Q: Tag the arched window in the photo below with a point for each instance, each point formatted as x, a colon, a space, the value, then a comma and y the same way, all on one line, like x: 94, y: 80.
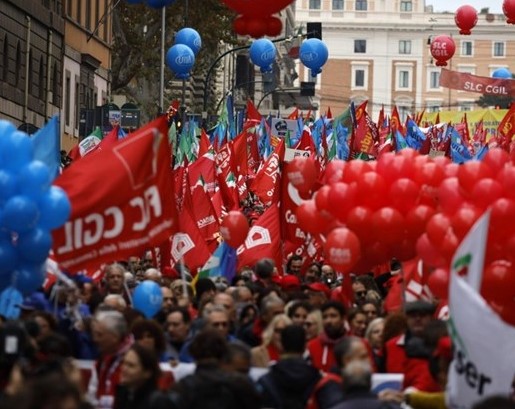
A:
x: 18, y: 67
x: 42, y: 85
x: 5, y: 65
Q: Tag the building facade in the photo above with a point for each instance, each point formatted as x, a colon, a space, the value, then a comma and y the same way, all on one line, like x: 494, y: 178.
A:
x: 32, y: 44
x: 86, y: 63
x: 379, y: 50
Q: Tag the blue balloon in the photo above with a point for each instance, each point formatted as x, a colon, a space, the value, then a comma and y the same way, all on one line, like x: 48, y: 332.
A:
x: 54, y: 207
x: 262, y: 53
x: 157, y: 4
x: 189, y: 37
x: 147, y: 298
x: 29, y: 277
x: 34, y: 245
x: 180, y: 59
x: 502, y: 73
x: 7, y: 186
x: 34, y: 179
x: 17, y: 151
x: 8, y: 256
x: 6, y: 129
x: 20, y: 214
x: 313, y: 54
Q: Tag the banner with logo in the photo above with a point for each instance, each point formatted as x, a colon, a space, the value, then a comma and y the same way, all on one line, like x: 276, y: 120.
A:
x: 473, y: 83
x: 121, y: 198
x: 483, y: 343
x: 280, y: 127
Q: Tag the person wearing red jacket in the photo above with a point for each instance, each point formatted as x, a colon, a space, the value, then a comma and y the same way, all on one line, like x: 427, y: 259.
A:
x: 407, y: 353
x: 321, y: 348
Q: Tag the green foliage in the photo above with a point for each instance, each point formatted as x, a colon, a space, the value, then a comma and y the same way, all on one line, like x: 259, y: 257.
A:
x: 495, y: 101
x: 136, y: 50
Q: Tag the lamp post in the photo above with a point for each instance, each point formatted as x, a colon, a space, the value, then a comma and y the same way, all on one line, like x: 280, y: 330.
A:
x: 232, y: 50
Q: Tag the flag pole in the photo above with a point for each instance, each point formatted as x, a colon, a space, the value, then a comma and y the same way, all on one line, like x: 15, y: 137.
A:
x: 162, y: 67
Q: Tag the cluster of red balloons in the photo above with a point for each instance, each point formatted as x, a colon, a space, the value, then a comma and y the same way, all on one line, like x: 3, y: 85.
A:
x: 234, y: 228
x: 406, y: 205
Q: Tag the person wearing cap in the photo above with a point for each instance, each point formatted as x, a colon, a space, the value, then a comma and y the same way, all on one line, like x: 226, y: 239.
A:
x: 318, y: 294
x: 321, y: 348
x: 407, y: 354
x: 290, y: 283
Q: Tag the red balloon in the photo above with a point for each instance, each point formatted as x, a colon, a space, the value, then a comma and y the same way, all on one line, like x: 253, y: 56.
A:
x: 416, y: 220
x: 442, y: 49
x: 429, y: 173
x: 448, y: 245
x: 310, y: 219
x: 437, y: 228
x: 408, y: 153
x: 405, y: 250
x: 508, y: 8
x: 401, y: 167
x: 265, y: 9
x: 451, y: 170
x: 322, y: 198
x: 334, y: 171
x: 403, y: 194
x: 428, y: 196
x: 506, y: 177
x: 506, y: 311
x: 463, y: 220
x: 471, y: 172
x: 499, y: 282
x: 302, y: 173
x: 449, y: 194
x: 389, y: 224
x: 342, y: 249
x: 384, y: 162
x: 502, y: 217
x: 234, y: 228
x: 485, y: 192
x: 496, y: 159
x: 510, y: 248
x: 438, y: 283
x: 466, y: 19
x: 371, y: 190
x: 442, y: 161
x: 354, y: 169
x: 359, y: 221
x: 274, y: 27
x: 429, y: 253
x: 377, y: 252
x: 341, y: 199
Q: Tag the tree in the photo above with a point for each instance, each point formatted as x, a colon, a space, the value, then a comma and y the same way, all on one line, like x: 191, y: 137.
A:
x: 136, y: 54
x: 495, y: 101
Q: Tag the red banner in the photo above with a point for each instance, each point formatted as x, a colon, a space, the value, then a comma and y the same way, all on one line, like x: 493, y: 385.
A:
x: 473, y: 83
x: 122, y: 201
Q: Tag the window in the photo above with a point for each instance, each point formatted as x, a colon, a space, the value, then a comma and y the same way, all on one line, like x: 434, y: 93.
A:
x: 314, y: 4
x: 406, y: 5
x: 434, y: 80
x: 42, y: 84
x: 77, y: 102
x: 97, y: 15
x: 79, y: 11
x: 360, y: 46
x: 67, y: 98
x: 361, y: 5
x: 55, y: 86
x: 498, y: 49
x: 405, y: 47
x: 69, y: 8
x: 5, y: 67
x: 403, y: 79
x: 18, y: 71
x: 466, y: 48
x: 106, y: 20
x: 30, y: 83
x: 359, y: 78
x: 337, y: 4
x: 359, y: 75
x: 88, y: 16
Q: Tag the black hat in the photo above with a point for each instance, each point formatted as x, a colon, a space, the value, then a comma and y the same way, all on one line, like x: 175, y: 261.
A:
x: 419, y: 306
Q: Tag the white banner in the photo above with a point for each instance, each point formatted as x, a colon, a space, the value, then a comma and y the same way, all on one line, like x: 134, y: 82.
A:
x: 484, y: 345
x: 280, y: 127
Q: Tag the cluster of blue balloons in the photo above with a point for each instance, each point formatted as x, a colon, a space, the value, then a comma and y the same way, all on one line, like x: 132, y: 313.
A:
x: 313, y: 54
x: 180, y: 58
x: 29, y: 209
x: 147, y: 298
x: 262, y: 53
x: 156, y: 4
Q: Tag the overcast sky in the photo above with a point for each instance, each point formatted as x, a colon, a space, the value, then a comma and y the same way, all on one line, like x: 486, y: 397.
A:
x: 495, y: 6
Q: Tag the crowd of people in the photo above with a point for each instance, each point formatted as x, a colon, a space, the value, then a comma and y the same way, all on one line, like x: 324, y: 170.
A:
x: 259, y: 341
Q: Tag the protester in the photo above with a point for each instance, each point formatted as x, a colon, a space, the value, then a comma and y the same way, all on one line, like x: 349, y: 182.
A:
x: 298, y: 312
x: 269, y: 351
x: 238, y: 358
x: 178, y: 324
x: 374, y: 336
x: 270, y: 307
x: 357, y: 321
x: 294, y: 265
x: 313, y: 324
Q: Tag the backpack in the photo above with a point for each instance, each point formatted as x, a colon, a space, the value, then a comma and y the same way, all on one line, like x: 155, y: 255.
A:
x: 326, y: 378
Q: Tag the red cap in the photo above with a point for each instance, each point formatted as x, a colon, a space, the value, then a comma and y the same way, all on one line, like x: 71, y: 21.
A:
x: 444, y: 348
x: 320, y: 288
x: 290, y: 282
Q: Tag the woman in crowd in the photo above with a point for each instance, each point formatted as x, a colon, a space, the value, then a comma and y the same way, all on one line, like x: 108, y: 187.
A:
x: 268, y: 352
x: 374, y: 336
x: 357, y: 321
x: 138, y: 387
x: 298, y: 312
x: 313, y: 324
x: 371, y: 309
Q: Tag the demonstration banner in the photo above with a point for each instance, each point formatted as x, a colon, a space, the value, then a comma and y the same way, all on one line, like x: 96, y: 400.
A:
x: 121, y: 198
x: 483, y: 343
x: 473, y: 83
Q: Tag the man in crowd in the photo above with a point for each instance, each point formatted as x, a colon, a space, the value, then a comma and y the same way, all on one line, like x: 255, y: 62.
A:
x: 270, y: 307
x: 178, y: 323
x: 294, y: 265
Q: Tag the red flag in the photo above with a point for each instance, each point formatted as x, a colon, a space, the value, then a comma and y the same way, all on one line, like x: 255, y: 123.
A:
x: 395, y: 121
x: 306, y: 142
x: 329, y: 113
x: 203, y: 167
x: 506, y: 128
x: 120, y: 199
x: 380, y: 120
x: 263, y: 240
x: 188, y: 245
x: 252, y: 112
x: 290, y: 201
x: 253, y: 150
x: 437, y: 119
x: 74, y: 153
x: 294, y: 114
x: 109, y: 140
x: 180, y: 177
x: 204, y: 144
x: 266, y: 185
x: 366, y: 136
x: 239, y: 145
x: 480, y: 134
x: 225, y: 173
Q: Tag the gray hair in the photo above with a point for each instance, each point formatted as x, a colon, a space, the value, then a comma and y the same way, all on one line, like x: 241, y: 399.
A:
x: 215, y: 308
x: 357, y: 375
x: 115, y: 266
x: 269, y: 301
x: 152, y: 272
x: 114, y: 321
x: 372, y: 325
x: 117, y: 298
